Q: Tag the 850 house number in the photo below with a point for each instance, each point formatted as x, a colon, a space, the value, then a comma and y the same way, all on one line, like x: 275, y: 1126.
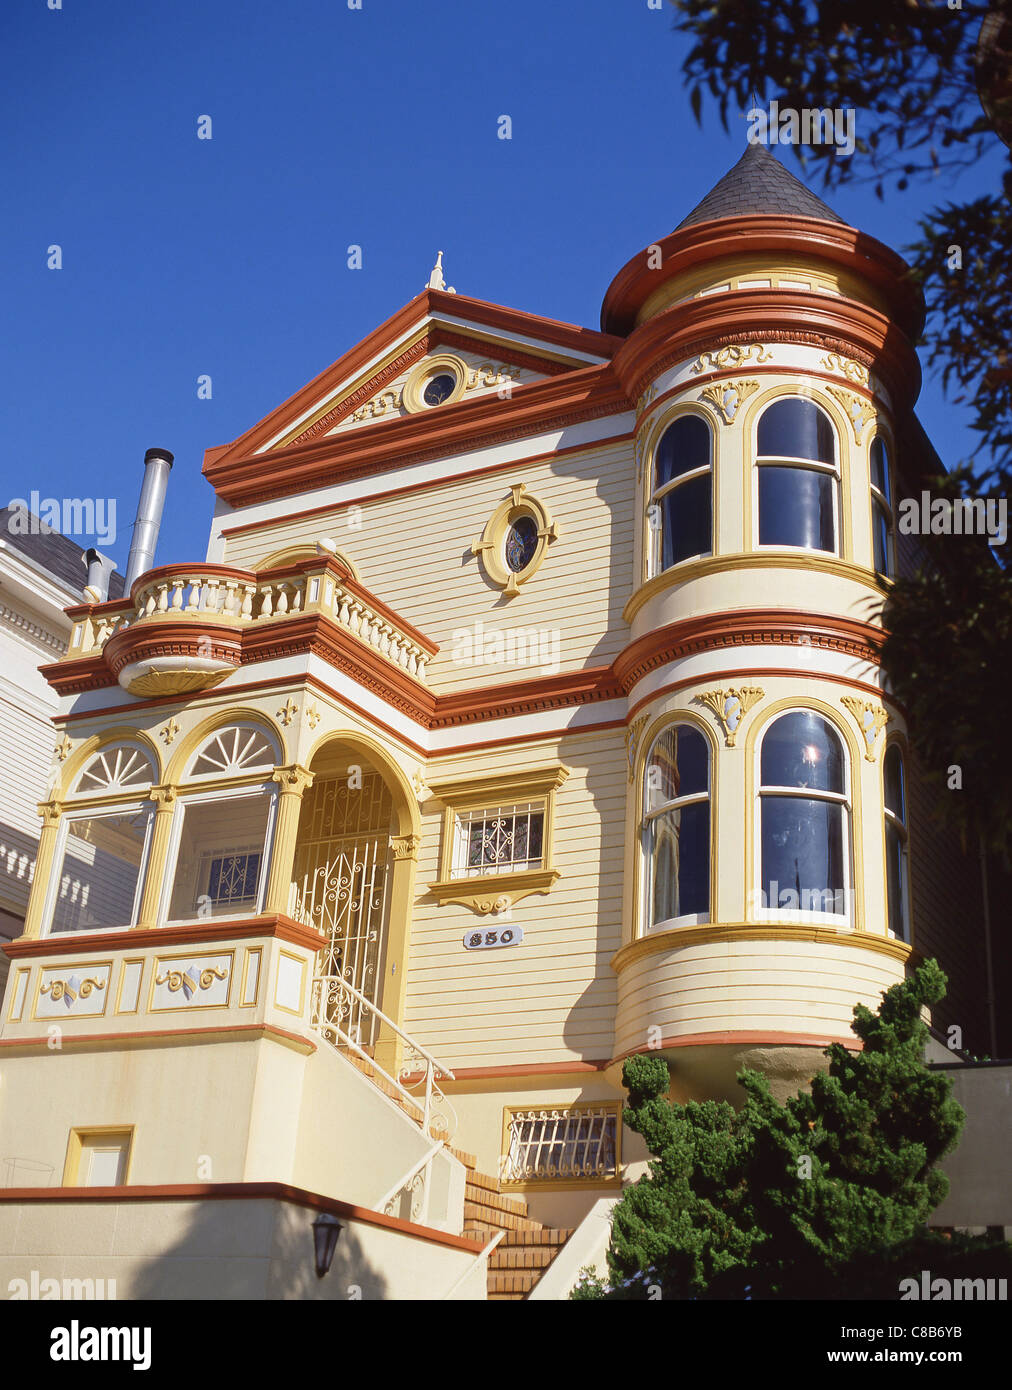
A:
x: 500, y: 936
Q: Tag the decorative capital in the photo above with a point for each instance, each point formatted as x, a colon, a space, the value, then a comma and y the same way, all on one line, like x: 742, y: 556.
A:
x: 50, y: 811
x: 859, y: 411
x: 730, y: 705
x: 164, y: 797
x: 405, y: 846
x: 632, y: 740
x: 869, y: 718
x: 293, y: 780
x: 727, y: 396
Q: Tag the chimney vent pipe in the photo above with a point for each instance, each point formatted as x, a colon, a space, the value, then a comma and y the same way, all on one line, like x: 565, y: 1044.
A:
x: 100, y: 569
x: 157, y: 463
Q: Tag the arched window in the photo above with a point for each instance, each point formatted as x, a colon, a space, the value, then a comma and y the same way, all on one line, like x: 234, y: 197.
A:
x: 239, y: 748
x: 681, y: 503
x: 676, y: 828
x: 102, y: 850
x: 118, y: 768
x: 221, y: 837
x: 798, y: 477
x: 804, y: 818
x: 882, y: 525
x: 894, y: 789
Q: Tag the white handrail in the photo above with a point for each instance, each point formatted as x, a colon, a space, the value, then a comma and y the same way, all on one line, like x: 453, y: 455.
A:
x: 412, y: 1172
x: 483, y: 1255
x: 325, y: 1026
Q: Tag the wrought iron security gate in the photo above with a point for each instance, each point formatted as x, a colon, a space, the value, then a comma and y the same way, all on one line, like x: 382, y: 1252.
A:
x: 341, y: 871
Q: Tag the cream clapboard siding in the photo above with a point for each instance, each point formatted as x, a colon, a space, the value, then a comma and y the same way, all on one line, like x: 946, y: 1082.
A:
x: 552, y: 997
x: 413, y: 552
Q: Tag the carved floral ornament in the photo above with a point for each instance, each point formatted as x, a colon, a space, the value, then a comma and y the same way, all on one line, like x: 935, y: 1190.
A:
x: 632, y: 741
x: 70, y: 990
x: 409, y: 397
x: 869, y: 717
x: 734, y: 355
x: 727, y: 396
x: 859, y: 410
x: 846, y: 366
x: 191, y: 979
x: 730, y: 705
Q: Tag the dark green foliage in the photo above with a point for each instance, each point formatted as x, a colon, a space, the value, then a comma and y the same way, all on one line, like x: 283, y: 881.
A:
x: 814, y: 1197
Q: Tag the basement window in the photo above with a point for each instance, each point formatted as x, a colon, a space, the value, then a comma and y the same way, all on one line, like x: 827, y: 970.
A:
x: 577, y: 1143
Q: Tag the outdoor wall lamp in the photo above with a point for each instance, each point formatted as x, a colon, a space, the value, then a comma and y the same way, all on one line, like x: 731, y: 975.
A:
x: 326, y: 1229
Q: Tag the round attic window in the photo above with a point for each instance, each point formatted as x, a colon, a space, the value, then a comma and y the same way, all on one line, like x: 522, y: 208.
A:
x: 439, y: 388
x: 439, y: 380
x: 521, y: 543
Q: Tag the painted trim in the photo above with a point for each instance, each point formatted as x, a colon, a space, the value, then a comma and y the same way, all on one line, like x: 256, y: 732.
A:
x: 137, y: 938
x: 678, y: 937
x: 239, y: 1032
x: 240, y: 1191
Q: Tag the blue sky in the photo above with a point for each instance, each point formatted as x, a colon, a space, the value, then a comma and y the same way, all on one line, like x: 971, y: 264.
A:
x: 331, y: 126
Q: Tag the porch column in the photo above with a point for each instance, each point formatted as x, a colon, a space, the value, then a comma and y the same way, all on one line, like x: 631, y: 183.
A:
x: 50, y: 812
x: 393, y: 989
x: 165, y: 805
x: 293, y: 781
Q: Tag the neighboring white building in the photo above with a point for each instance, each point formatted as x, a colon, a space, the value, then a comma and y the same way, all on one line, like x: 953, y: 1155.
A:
x: 40, y: 575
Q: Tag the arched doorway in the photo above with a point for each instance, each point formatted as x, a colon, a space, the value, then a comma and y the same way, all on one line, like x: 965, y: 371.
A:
x: 342, y: 879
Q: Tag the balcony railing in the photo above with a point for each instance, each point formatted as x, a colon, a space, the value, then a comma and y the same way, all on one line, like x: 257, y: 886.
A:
x: 227, y: 597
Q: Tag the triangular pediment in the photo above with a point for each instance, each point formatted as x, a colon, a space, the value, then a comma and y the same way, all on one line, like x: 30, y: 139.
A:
x: 484, y: 350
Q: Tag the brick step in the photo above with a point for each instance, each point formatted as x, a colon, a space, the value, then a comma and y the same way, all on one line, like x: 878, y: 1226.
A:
x: 469, y: 1161
x: 523, y: 1256
x: 487, y: 1218
x: 504, y: 1297
x: 517, y: 1282
x: 524, y: 1233
x: 483, y: 1180
x: 495, y: 1201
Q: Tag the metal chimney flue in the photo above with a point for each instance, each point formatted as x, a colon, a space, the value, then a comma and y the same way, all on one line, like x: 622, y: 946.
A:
x: 100, y: 569
x: 157, y: 463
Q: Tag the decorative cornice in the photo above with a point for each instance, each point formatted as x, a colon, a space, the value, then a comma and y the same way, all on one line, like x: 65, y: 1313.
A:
x: 137, y: 938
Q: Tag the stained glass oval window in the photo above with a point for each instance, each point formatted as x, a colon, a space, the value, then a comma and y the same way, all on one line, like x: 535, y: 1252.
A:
x: 521, y: 543
x: 439, y: 389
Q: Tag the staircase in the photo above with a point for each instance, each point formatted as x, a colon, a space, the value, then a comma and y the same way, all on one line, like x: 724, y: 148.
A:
x: 528, y: 1247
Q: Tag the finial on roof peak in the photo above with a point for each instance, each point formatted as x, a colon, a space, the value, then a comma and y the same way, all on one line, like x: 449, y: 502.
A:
x: 436, y: 280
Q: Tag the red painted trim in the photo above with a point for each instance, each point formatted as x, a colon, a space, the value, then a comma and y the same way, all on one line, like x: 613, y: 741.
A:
x: 745, y: 1038
x: 252, y: 1033
x: 137, y: 938
x: 243, y: 1192
x: 526, y: 1069
x: 430, y: 485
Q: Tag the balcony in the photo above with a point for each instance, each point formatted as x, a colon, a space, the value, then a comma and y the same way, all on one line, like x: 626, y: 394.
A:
x: 186, y: 628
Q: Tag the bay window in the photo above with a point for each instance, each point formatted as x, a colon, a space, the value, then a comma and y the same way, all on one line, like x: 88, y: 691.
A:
x: 681, y: 506
x: 798, y: 485
x: 676, y: 828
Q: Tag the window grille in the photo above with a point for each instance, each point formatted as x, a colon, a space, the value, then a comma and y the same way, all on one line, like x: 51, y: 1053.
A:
x: 578, y: 1142
x: 499, y: 839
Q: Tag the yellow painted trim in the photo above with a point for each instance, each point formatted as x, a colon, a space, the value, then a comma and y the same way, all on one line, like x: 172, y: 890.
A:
x: 655, y: 430
x: 44, y: 860
x: 222, y: 719
x: 251, y: 954
x: 193, y: 957
x: 731, y: 270
x: 462, y: 793
x: 762, y: 720
x: 815, y: 391
x: 483, y: 892
x: 729, y: 932
x: 421, y: 374
x: 65, y: 971
x: 898, y: 738
x: 75, y: 1148
x: 301, y: 963
x: 129, y: 960
x: 489, y: 545
x: 671, y: 712
x: 19, y: 975
x: 807, y: 560
x: 97, y: 743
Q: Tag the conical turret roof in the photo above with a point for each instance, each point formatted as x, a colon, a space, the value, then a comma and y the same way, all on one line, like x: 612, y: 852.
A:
x: 759, y: 183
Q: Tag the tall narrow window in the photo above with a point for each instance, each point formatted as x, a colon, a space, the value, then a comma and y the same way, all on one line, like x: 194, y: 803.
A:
x: 896, y: 843
x: 676, y: 828
x: 882, y: 529
x: 798, y: 477
x: 681, y: 505
x: 804, y: 817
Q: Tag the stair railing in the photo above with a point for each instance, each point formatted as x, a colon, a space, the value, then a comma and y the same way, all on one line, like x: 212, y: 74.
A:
x: 332, y: 1002
x: 424, y: 1165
